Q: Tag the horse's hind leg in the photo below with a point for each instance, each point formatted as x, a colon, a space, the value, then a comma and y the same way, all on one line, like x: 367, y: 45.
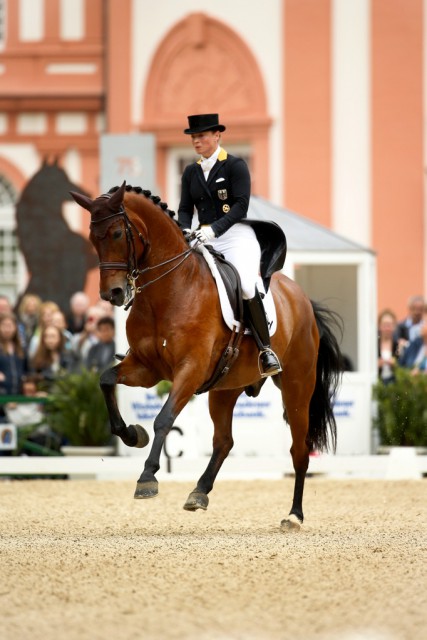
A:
x: 296, y: 396
x: 221, y: 405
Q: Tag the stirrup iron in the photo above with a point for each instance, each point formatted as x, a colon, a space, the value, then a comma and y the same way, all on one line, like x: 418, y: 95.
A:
x: 274, y: 367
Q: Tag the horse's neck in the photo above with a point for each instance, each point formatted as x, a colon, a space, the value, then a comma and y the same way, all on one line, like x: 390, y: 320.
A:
x: 171, y: 269
x: 165, y: 238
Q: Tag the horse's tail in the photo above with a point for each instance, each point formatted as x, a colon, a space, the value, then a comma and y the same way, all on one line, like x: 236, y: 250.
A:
x: 322, y: 428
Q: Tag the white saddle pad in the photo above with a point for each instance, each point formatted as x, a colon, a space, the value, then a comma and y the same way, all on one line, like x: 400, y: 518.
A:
x: 227, y: 311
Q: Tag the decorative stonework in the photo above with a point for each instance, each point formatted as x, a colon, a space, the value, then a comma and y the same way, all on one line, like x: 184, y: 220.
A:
x: 203, y: 66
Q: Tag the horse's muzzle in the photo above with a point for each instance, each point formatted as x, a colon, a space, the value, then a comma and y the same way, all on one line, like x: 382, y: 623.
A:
x: 116, y: 296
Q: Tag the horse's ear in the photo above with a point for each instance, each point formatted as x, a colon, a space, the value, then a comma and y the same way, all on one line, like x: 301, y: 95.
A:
x: 82, y: 200
x: 117, y: 197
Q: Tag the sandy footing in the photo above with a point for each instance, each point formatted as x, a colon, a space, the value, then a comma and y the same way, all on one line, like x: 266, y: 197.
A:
x: 84, y: 560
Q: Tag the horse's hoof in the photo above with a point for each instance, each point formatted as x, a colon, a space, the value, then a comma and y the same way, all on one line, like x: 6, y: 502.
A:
x: 146, y: 489
x: 196, y: 500
x: 142, y: 436
x: 291, y: 523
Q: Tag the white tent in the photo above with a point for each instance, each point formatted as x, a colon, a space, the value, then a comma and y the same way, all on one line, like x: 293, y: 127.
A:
x: 333, y: 270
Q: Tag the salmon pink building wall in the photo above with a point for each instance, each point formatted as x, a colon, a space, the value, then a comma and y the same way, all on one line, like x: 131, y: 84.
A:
x: 328, y: 95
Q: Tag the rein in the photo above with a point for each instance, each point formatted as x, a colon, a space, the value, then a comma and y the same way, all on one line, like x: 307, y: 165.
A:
x: 138, y: 272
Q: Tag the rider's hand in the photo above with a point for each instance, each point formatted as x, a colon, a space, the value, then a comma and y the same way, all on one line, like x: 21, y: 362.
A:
x: 187, y: 233
x: 205, y: 234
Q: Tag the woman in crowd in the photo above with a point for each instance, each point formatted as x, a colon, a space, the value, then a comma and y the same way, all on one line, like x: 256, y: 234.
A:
x: 51, y: 357
x: 388, y: 346
x: 13, y: 362
x: 28, y: 312
x: 47, y: 310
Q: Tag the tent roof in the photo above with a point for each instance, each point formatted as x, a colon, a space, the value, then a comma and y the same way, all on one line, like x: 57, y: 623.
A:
x: 302, y: 234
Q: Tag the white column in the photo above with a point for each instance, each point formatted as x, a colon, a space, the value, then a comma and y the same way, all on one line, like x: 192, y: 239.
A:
x: 351, y: 144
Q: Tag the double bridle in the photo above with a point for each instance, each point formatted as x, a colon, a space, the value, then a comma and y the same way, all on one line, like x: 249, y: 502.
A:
x: 131, y: 266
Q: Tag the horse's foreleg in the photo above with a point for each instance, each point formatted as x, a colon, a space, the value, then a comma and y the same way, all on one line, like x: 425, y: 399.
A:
x: 221, y: 405
x: 134, y: 435
x: 147, y: 485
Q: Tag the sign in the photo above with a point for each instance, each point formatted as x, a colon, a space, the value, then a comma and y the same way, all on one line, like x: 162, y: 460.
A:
x: 128, y: 157
x: 8, y: 438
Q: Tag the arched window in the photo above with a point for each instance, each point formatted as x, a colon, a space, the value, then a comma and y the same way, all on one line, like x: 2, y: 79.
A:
x: 11, y: 262
x: 203, y: 66
x: 7, y: 192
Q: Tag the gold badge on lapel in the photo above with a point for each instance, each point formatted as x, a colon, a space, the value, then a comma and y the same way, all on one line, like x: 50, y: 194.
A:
x: 226, y: 208
x: 222, y: 194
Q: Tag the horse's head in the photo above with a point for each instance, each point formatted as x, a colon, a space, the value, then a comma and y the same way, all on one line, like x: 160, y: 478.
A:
x: 118, y: 242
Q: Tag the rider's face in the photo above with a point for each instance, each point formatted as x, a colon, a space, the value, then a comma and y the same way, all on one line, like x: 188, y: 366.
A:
x: 205, y: 143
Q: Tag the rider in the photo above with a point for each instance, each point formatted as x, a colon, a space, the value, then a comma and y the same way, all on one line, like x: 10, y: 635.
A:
x: 218, y: 185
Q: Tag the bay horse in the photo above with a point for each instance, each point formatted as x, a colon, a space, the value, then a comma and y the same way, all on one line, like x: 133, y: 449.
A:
x: 176, y: 332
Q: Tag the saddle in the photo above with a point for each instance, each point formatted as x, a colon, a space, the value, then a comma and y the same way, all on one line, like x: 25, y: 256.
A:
x: 273, y: 253
x: 272, y: 241
x: 231, y: 280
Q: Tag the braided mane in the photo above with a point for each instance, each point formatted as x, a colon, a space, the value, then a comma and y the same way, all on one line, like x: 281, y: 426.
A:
x: 145, y: 192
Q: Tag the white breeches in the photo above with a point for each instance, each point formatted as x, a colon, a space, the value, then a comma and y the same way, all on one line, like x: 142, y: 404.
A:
x: 239, y: 245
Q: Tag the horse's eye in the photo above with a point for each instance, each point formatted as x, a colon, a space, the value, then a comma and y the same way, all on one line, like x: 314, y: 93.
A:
x: 117, y: 234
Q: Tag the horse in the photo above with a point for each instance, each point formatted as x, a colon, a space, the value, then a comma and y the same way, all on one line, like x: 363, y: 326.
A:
x: 176, y: 332
x: 46, y: 240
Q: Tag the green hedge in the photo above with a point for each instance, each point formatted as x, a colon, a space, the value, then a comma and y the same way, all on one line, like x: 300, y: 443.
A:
x: 402, y: 410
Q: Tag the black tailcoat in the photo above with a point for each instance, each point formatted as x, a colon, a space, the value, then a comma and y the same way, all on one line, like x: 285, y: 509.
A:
x: 221, y: 200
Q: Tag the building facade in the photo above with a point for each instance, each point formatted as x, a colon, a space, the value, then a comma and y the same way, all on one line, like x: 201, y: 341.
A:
x: 326, y: 99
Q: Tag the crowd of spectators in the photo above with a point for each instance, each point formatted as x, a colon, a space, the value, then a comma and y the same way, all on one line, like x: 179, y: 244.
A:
x: 39, y: 341
x: 403, y: 343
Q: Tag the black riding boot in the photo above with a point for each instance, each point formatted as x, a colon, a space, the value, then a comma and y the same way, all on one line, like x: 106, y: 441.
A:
x: 257, y: 321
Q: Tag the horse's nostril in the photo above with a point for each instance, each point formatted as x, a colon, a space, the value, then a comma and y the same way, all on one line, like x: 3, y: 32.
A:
x: 116, y: 296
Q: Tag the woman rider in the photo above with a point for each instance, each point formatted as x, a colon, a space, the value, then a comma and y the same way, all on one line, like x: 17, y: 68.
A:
x: 218, y: 185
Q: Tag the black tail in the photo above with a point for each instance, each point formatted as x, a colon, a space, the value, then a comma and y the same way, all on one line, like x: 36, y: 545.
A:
x: 329, y: 368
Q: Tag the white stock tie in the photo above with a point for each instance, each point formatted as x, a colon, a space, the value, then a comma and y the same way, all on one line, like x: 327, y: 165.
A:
x: 207, y: 164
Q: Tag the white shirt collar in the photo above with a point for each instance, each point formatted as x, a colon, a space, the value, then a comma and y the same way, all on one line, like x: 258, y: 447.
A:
x: 208, y: 163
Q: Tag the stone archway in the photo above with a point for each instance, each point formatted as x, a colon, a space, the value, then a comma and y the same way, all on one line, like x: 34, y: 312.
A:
x: 12, y: 173
x: 202, y: 66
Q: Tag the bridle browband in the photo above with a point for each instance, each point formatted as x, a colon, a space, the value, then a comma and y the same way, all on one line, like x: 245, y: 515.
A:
x: 131, y: 266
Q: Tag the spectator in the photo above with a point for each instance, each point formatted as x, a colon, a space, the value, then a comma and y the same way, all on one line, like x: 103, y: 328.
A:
x: 28, y: 313
x: 59, y: 320
x: 101, y: 355
x: 388, y: 346
x: 51, y: 357
x: 83, y: 341
x: 106, y: 307
x: 415, y: 355
x: 5, y: 306
x: 409, y: 328
x: 79, y: 304
x: 13, y: 361
x: 45, y: 319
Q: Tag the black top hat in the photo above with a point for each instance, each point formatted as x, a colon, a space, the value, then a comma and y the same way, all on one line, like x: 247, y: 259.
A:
x: 204, y: 122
